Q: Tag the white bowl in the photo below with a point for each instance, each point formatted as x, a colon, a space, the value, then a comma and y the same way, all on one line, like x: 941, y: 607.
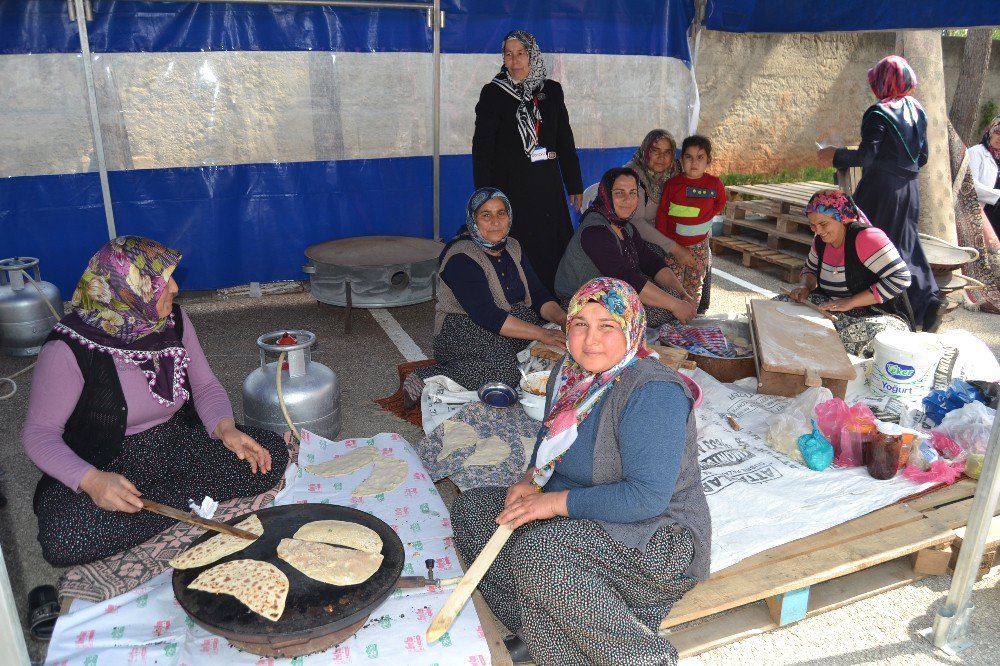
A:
x: 534, y: 405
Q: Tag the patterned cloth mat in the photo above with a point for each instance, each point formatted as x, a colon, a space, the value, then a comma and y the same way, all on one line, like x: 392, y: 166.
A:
x: 481, y: 422
x: 120, y: 573
x: 148, y: 626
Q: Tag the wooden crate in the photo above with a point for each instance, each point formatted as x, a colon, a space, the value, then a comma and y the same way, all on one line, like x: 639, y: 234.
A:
x: 754, y: 253
x: 853, y: 561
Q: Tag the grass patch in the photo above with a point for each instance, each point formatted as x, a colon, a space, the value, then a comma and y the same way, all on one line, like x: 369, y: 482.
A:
x: 824, y: 175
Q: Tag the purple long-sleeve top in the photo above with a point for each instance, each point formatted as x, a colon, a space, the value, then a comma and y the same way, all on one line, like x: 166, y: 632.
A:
x: 58, y: 383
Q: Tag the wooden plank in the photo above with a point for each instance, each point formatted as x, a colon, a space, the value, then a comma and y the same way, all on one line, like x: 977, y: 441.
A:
x: 960, y: 490
x: 955, y: 515
x: 753, y: 619
x: 493, y: 632
x: 772, y: 231
x: 715, y: 595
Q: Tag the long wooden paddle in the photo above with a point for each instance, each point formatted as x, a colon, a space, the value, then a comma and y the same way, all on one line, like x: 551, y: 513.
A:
x: 456, y: 600
x: 198, y: 521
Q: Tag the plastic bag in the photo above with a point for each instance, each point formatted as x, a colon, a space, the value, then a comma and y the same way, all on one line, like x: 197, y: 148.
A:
x: 939, y: 471
x: 969, y: 427
x: 845, y: 427
x: 923, y: 455
x: 816, y: 449
x: 784, y: 431
x: 937, y: 404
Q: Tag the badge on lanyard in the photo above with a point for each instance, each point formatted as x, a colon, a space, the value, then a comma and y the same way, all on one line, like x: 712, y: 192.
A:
x: 539, y: 154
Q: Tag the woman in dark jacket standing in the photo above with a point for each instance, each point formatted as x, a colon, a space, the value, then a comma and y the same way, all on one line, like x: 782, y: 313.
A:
x: 892, y: 151
x: 523, y: 145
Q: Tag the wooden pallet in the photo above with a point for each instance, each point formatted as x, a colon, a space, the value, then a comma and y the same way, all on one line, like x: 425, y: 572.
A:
x: 754, y: 253
x: 791, y: 197
x: 883, y: 550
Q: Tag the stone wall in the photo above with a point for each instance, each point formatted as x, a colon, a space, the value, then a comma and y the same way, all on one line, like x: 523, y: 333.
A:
x: 767, y: 99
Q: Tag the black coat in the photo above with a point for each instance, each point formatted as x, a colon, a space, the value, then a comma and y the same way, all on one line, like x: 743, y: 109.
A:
x: 541, y: 219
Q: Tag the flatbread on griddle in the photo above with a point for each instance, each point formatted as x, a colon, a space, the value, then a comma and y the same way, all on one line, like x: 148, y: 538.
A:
x: 329, y: 564
x: 341, y: 533
x: 387, y: 475
x: 218, y: 546
x: 261, y: 586
x: 345, y: 464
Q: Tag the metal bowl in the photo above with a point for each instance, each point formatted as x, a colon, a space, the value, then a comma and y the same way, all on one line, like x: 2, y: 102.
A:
x: 497, y: 394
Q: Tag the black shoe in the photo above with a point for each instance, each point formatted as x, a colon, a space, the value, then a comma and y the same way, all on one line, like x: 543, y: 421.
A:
x: 934, y: 316
x: 518, y: 650
x: 43, y: 611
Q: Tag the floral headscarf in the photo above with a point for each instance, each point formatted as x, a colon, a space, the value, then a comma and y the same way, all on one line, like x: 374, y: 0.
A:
x: 578, y: 391
x: 994, y: 128
x: 603, y: 203
x: 640, y: 163
x: 478, y: 198
x: 114, y: 312
x: 892, y: 79
x: 528, y: 116
x: 837, y: 205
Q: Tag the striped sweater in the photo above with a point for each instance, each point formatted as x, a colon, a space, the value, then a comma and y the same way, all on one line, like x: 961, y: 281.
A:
x: 878, y: 255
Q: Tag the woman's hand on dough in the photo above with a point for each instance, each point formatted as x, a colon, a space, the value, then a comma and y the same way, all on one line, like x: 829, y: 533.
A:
x: 838, y: 305
x: 799, y: 294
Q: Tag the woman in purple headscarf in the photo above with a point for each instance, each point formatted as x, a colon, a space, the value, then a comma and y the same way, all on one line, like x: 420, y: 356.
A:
x: 893, y: 149
x: 124, y: 406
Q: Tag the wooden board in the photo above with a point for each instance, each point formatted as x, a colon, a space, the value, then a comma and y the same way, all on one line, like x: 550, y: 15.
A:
x: 794, y: 345
x: 796, y: 194
x: 769, y: 227
x: 753, y: 253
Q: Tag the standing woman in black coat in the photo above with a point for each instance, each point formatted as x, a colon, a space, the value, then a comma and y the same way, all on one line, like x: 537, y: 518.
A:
x: 893, y: 149
x: 523, y: 145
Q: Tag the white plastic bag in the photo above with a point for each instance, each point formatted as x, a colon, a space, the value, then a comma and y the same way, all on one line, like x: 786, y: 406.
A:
x: 969, y: 427
x: 795, y: 420
x: 441, y: 398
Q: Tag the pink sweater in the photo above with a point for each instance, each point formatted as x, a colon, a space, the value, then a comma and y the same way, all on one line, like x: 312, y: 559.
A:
x: 58, y: 383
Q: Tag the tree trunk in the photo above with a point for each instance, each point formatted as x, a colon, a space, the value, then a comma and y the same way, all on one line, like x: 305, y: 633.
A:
x: 965, y: 105
x: 922, y: 48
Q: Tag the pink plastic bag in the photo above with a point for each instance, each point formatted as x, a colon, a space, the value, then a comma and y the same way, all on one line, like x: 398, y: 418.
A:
x: 941, y: 471
x: 846, y: 427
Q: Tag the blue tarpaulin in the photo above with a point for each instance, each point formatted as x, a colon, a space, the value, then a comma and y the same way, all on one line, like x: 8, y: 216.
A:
x: 848, y: 15
x: 622, y: 27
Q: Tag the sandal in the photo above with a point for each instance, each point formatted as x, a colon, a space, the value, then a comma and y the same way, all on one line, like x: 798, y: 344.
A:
x: 43, y: 611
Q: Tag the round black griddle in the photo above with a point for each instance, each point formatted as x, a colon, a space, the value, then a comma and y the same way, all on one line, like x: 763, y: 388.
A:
x: 314, y: 611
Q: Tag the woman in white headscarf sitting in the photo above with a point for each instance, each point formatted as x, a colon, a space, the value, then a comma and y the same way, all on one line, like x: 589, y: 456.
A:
x: 490, y: 303
x: 611, y: 524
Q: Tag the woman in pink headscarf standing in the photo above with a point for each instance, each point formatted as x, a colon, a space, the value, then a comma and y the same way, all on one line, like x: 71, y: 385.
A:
x: 893, y: 148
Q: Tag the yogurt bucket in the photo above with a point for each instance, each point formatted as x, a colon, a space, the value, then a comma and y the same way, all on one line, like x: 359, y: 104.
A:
x: 904, y: 364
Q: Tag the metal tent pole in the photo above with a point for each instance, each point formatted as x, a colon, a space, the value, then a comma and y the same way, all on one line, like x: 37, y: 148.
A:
x: 950, y: 631
x: 95, y: 119
x: 438, y: 19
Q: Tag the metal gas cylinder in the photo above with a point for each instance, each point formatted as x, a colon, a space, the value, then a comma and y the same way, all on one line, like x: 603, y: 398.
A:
x: 311, y: 391
x: 25, y: 317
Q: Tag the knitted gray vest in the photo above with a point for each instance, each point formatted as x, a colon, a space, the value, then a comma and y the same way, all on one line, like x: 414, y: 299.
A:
x: 447, y: 303
x: 688, y: 506
x: 576, y: 268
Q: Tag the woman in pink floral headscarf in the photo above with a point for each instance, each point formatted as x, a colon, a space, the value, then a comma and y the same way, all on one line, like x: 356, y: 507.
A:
x: 612, y: 525
x: 124, y: 406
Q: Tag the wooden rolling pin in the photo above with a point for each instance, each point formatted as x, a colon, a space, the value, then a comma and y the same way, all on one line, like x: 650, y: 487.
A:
x: 809, y: 304
x: 456, y: 600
